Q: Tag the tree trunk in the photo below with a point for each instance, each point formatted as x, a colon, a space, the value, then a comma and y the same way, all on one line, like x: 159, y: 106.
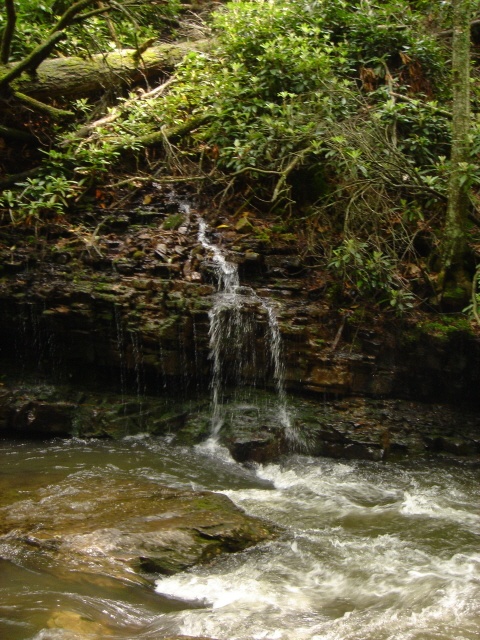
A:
x: 78, y: 77
x: 454, y: 243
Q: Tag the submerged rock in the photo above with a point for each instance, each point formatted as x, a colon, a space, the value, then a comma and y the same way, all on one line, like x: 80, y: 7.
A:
x: 187, y: 638
x: 77, y: 626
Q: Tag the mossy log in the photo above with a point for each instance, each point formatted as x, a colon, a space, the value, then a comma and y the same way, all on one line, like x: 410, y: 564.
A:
x: 77, y: 77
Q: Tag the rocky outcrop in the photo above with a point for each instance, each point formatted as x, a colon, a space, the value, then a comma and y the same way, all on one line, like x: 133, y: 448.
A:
x: 352, y: 428
x: 127, y: 312
x: 130, y: 531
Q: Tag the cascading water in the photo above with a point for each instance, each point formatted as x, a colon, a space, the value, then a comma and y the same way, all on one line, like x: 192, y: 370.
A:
x: 232, y: 336
x: 366, y: 550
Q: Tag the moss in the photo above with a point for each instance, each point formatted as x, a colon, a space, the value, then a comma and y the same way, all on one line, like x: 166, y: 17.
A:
x: 455, y: 297
x: 288, y: 237
x: 444, y: 326
x: 173, y: 221
x: 263, y: 235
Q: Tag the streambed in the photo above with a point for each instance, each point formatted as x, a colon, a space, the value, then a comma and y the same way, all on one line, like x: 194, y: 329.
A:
x: 364, y: 550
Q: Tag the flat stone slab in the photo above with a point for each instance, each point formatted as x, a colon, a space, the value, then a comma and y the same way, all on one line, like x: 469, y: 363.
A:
x: 126, y: 529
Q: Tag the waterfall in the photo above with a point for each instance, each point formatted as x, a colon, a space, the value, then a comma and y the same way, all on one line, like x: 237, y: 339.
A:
x: 232, y: 336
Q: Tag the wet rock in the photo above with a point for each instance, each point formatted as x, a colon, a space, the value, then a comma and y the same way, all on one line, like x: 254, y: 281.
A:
x: 457, y: 446
x: 79, y: 626
x: 128, y: 530
x: 40, y: 419
x: 260, y: 447
x: 286, y: 265
x: 6, y: 400
x: 187, y: 638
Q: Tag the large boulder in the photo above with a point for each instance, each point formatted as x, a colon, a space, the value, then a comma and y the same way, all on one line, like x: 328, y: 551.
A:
x: 125, y: 529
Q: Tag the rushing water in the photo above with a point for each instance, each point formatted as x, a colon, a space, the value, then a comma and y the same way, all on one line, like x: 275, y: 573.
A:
x: 367, y: 551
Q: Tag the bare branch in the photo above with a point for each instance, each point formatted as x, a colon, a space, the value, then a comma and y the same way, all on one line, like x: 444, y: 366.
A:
x: 15, y: 134
x: 116, y: 112
x: 443, y: 112
x: 474, y: 295
x: 449, y: 32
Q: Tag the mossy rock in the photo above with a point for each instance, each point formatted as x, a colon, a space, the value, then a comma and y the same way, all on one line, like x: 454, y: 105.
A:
x: 128, y: 530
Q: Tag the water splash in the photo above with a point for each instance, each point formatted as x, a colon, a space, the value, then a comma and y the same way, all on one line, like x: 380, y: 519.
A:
x: 233, y: 318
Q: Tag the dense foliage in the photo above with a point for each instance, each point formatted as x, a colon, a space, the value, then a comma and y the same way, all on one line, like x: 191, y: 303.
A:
x: 330, y: 113
x: 131, y: 22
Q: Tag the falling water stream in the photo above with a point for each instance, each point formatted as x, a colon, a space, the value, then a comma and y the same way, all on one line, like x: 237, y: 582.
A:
x: 232, y: 337
x: 366, y: 551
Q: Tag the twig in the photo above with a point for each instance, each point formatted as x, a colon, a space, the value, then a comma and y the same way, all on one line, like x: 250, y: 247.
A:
x: 70, y: 15
x: 339, y: 332
x: 133, y: 180
x: 117, y: 112
x: 173, y: 133
x: 110, y: 25
x: 287, y: 171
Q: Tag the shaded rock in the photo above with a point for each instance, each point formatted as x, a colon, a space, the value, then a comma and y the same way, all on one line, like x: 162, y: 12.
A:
x: 137, y: 320
x: 46, y: 419
x: 457, y: 446
x: 356, y: 427
x: 259, y: 447
x: 173, y: 221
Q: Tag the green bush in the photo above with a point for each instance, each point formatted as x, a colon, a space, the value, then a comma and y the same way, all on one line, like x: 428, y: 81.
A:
x: 134, y: 22
x: 345, y: 90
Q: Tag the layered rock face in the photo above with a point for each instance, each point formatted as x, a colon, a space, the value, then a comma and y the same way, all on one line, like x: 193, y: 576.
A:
x: 128, y: 311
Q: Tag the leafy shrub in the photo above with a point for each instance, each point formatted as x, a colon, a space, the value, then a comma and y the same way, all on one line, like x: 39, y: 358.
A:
x: 134, y: 21
x: 346, y: 89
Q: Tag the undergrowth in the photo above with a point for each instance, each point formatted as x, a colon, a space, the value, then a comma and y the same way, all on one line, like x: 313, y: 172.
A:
x: 327, y: 112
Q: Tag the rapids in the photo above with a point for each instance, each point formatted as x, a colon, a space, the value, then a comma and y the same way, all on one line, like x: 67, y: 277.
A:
x: 367, y: 551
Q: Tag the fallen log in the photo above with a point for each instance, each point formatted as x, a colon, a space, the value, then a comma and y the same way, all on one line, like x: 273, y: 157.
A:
x: 78, y: 77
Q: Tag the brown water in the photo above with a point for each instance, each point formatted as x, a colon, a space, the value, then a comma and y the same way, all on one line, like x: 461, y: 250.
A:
x: 370, y: 551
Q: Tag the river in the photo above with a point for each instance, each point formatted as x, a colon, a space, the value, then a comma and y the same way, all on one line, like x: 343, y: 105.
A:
x: 367, y: 551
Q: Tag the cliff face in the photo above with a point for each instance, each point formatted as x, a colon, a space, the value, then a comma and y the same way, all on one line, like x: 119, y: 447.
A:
x: 132, y: 307
x: 129, y: 311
